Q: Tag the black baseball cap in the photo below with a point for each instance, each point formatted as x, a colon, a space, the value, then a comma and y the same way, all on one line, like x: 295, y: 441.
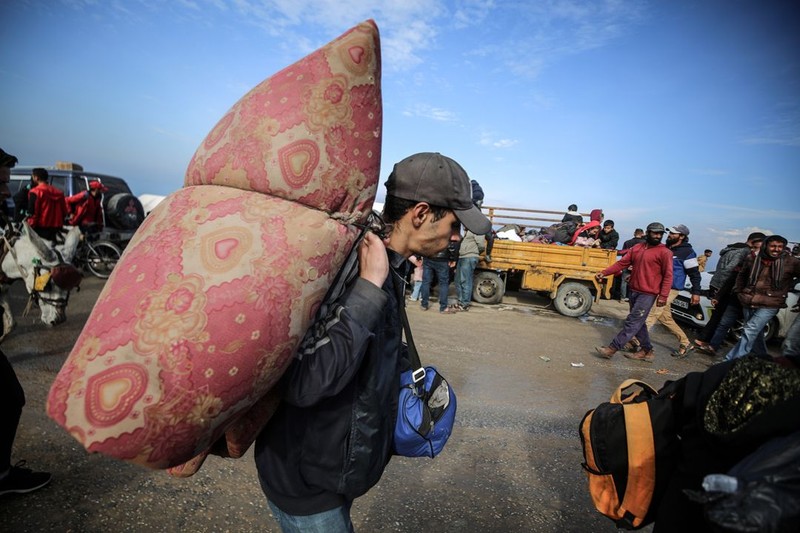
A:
x: 440, y: 181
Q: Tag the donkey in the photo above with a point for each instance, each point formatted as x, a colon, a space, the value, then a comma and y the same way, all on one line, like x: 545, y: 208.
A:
x: 44, y: 268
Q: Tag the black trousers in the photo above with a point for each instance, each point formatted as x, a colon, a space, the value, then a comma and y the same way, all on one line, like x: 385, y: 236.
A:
x: 12, y: 398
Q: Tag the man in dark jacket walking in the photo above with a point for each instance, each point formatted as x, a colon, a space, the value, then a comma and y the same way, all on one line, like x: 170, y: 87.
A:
x: 762, y: 285
x: 331, y: 437
x: 726, y: 306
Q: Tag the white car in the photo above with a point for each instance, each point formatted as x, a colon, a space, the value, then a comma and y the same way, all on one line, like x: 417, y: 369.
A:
x: 698, y: 315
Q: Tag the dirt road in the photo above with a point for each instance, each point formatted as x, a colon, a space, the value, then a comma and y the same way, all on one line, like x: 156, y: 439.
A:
x: 512, y: 464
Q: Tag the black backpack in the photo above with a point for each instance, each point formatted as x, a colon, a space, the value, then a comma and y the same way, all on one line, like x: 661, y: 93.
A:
x: 644, y: 451
x: 562, y: 232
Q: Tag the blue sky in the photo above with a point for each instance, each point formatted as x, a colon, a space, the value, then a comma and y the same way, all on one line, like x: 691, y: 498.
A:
x: 680, y: 111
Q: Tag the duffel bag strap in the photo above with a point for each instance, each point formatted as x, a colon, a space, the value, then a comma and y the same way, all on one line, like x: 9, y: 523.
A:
x: 616, y: 397
x: 418, y: 373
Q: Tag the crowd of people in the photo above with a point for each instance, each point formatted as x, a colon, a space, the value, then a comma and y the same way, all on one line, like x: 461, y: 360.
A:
x: 751, y: 284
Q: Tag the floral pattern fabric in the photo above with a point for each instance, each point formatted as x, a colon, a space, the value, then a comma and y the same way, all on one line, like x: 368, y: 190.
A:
x: 205, y: 309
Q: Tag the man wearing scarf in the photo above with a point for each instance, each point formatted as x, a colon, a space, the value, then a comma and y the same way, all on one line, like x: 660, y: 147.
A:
x: 762, y: 285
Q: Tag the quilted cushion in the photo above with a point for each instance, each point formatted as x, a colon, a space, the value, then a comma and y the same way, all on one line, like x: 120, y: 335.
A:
x: 306, y: 134
x: 205, y: 309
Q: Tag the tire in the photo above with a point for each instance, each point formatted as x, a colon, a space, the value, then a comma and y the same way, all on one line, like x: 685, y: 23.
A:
x: 573, y: 299
x: 102, y: 259
x: 124, y: 211
x: 488, y: 287
x: 769, y: 330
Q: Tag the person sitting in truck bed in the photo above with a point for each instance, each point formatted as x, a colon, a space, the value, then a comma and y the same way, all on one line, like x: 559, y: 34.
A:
x: 572, y: 215
x: 586, y: 235
x: 609, y: 238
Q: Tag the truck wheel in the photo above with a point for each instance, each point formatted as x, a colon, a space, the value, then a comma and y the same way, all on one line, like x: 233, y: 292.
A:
x: 488, y: 288
x: 573, y: 299
x: 124, y: 211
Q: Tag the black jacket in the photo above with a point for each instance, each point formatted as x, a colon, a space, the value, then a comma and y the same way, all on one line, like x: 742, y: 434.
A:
x: 331, y: 437
x: 608, y: 241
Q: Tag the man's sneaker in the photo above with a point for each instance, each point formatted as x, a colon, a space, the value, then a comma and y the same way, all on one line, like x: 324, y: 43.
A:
x: 606, y: 352
x: 642, y: 355
x: 21, y: 480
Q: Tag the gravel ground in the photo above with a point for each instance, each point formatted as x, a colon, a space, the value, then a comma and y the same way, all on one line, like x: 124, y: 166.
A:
x: 512, y: 464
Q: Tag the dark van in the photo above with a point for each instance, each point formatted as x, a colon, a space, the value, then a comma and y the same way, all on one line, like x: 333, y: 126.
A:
x: 122, y: 210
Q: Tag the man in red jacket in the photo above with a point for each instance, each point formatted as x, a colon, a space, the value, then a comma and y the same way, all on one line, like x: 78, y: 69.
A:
x: 650, y: 282
x: 86, y: 208
x: 47, y: 206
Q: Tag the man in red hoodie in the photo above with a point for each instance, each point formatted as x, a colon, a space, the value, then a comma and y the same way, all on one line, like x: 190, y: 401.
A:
x: 86, y: 208
x: 650, y: 282
x: 47, y: 206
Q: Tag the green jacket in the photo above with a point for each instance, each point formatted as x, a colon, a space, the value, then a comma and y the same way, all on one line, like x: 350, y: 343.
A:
x: 472, y: 245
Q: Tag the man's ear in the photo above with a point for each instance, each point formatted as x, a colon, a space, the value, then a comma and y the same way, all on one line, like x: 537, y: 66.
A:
x: 419, y: 213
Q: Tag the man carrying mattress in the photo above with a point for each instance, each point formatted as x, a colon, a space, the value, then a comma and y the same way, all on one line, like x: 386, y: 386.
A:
x: 331, y: 437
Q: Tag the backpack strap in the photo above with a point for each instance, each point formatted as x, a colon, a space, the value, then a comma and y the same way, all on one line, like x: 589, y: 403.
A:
x: 616, y: 396
x: 641, y: 458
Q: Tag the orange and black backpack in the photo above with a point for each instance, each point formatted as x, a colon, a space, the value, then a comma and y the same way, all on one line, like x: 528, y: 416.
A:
x: 630, y: 446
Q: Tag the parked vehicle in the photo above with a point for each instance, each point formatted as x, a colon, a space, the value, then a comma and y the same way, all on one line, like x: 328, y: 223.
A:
x: 699, y: 315
x: 122, y: 211
x: 564, y: 273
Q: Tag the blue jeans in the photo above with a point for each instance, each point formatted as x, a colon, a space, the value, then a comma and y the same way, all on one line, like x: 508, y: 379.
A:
x: 732, y: 313
x: 442, y: 271
x: 623, y: 284
x: 634, y: 326
x: 465, y: 269
x: 791, y: 344
x: 415, y: 291
x: 752, y: 340
x: 334, y: 521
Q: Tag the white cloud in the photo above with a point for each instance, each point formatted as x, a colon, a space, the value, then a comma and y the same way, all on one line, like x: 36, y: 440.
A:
x: 472, y: 12
x: 430, y: 112
x: 543, y: 32
x: 488, y: 139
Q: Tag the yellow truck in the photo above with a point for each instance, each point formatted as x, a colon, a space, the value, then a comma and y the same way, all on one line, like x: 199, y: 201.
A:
x: 564, y: 273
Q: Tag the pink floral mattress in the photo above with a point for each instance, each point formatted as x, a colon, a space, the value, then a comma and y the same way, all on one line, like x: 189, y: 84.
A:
x: 210, y: 299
